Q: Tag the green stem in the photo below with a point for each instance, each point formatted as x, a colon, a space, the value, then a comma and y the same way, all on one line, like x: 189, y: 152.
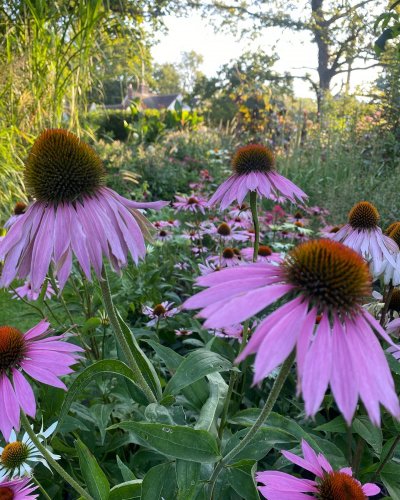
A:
x: 41, y: 488
x: 253, y: 206
x: 50, y: 460
x: 130, y: 360
x: 265, y: 412
x: 387, y: 457
x: 233, y: 378
x: 232, y: 382
x: 28, y: 303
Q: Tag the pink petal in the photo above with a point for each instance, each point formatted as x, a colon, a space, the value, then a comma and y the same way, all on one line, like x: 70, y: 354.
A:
x: 317, y: 367
x: 24, y: 393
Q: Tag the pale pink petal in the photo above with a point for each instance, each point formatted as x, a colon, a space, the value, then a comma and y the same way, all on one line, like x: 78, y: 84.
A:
x: 37, y: 330
x: 24, y: 393
x: 371, y: 489
x: 248, y: 304
x: 317, y: 367
x: 344, y: 379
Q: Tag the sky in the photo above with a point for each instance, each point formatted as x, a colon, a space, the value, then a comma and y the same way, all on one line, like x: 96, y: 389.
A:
x: 297, y: 53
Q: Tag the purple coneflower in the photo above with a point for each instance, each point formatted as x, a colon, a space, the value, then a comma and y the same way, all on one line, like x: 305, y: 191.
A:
x: 229, y: 257
x: 329, y: 231
x: 42, y: 358
x: 191, y: 203
x: 390, y: 272
x: 232, y: 332
x: 183, y: 332
x: 227, y: 231
x: 74, y: 214
x: 159, y: 311
x: 163, y: 235
x: 320, y: 277
x: 17, y: 489
x: 328, y: 484
x: 265, y: 254
x: 25, y: 291
x: 254, y: 170
x: 363, y: 235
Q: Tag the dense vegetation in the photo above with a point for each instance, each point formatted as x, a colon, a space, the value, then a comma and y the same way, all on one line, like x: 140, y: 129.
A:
x: 169, y: 432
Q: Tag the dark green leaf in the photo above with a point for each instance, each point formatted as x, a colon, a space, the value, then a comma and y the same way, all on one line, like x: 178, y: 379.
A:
x: 159, y: 483
x: 241, y: 478
x: 95, y: 479
x: 174, y: 440
x: 141, y: 359
x: 214, y: 404
x: 338, y: 424
x: 127, y: 491
x: 187, y: 476
x: 127, y: 474
x: 196, y: 365
x: 111, y: 366
x: 369, y: 432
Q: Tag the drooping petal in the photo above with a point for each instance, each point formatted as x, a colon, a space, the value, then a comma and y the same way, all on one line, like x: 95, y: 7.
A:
x: 344, y: 379
x: 317, y: 367
x: 24, y: 393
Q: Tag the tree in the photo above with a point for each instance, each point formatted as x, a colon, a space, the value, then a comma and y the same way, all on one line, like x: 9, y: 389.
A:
x: 247, y: 89
x: 340, y: 29
x: 189, y: 69
x: 166, y: 79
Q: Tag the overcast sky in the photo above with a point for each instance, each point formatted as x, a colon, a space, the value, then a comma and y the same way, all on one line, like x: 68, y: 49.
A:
x: 296, y: 51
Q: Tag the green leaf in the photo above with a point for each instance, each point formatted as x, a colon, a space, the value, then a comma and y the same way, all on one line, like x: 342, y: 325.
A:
x: 91, y: 324
x: 249, y: 416
x: 127, y: 474
x: 241, y: 478
x: 112, y: 366
x: 196, y: 365
x: 198, y: 392
x: 187, y: 476
x: 260, y: 444
x: 390, y: 477
x: 101, y: 414
x: 159, y: 483
x: 127, y: 491
x: 394, y: 364
x: 95, y: 479
x: 369, y: 432
x: 338, y: 425
x: 141, y: 359
x: 213, y: 406
x: 174, y: 440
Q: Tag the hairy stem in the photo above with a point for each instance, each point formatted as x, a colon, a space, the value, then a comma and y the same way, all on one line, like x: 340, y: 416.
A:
x: 130, y: 360
x: 253, y: 206
x: 50, y: 460
x: 265, y: 412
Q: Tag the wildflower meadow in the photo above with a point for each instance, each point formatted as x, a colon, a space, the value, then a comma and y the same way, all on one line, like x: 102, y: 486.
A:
x: 199, y: 275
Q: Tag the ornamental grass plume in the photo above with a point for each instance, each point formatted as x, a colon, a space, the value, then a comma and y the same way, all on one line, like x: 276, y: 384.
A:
x: 320, y: 278
x: 327, y: 485
x: 254, y: 170
x: 41, y: 357
x: 363, y: 235
x: 73, y: 214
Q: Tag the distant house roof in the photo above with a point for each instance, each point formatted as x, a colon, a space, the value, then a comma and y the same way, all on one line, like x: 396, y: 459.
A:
x: 160, y: 101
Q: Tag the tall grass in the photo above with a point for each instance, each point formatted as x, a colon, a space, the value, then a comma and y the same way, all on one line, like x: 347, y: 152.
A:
x: 348, y: 158
x: 45, y: 55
